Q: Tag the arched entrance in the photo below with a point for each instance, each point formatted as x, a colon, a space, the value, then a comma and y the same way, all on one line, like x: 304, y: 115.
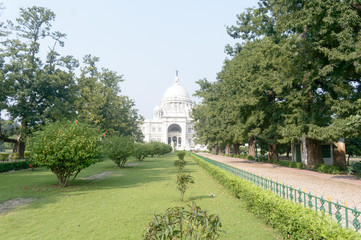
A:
x: 175, y: 135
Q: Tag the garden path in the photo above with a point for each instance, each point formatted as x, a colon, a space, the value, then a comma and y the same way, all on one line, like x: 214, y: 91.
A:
x: 340, y: 188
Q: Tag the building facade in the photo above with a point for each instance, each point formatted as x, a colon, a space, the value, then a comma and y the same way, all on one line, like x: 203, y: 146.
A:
x: 171, y: 123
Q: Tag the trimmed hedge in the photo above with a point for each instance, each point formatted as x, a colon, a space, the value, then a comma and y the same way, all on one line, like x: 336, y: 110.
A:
x: 9, y: 166
x: 292, y: 220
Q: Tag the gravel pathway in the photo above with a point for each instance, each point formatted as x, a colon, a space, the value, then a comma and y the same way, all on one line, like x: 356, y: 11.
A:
x: 340, y: 188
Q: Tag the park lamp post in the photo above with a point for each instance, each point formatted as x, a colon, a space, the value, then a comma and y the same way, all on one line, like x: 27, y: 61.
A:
x: 256, y: 150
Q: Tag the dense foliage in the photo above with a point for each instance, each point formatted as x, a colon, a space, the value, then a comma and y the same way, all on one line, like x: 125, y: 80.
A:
x: 66, y: 148
x: 295, y: 74
x: 118, y: 149
x: 181, y: 223
x: 36, y: 89
x: 141, y: 151
x: 10, y: 166
x: 159, y: 148
x: 181, y: 154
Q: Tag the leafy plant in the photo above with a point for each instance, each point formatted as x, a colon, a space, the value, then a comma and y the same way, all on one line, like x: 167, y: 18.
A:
x: 4, y: 156
x: 183, y: 181
x: 356, y: 169
x: 118, y: 149
x: 180, y: 164
x: 181, y: 154
x: 141, y: 151
x: 9, y: 166
x: 159, y: 148
x: 181, y: 223
x: 66, y: 148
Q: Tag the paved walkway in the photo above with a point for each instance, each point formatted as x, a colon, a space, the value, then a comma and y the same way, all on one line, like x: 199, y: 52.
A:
x: 340, y: 188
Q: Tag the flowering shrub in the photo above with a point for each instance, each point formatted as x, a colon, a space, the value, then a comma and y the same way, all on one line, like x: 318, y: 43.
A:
x: 66, y: 148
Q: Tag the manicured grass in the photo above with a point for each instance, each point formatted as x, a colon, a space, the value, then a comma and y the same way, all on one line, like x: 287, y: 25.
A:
x: 118, y: 206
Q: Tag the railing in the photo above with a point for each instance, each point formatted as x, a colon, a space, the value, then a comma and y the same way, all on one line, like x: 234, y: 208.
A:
x: 345, y: 216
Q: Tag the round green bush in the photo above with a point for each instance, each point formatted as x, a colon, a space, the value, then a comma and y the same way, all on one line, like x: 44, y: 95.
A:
x: 118, y: 149
x: 66, y: 148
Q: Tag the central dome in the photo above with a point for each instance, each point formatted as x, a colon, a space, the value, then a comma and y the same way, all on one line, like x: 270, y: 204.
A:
x: 176, y: 92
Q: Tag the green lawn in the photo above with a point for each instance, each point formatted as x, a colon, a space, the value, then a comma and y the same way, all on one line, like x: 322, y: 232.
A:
x: 118, y: 206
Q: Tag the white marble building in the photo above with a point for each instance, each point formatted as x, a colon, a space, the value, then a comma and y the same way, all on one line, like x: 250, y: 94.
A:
x: 171, y: 121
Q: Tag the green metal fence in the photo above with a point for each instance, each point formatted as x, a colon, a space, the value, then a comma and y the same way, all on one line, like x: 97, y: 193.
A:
x: 345, y: 216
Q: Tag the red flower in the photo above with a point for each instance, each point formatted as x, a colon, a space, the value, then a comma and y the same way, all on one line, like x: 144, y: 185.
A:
x: 76, y: 121
x: 30, y: 165
x: 105, y: 135
x: 106, y: 130
x: 26, y: 188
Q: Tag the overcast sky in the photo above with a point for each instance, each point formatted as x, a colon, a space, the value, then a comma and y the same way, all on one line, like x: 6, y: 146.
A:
x: 145, y: 41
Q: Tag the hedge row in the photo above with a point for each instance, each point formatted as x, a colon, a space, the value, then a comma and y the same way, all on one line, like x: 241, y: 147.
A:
x: 8, y: 166
x: 292, y: 220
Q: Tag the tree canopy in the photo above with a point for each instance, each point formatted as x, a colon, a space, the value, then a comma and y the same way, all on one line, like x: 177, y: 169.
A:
x: 295, y: 73
x: 36, y: 90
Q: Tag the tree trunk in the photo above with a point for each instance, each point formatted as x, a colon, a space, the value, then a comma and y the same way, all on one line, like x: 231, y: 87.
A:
x: 236, y: 149
x: 221, y: 151
x: 314, y: 154
x: 228, y: 150
x: 339, y: 154
x: 272, y: 152
x: 288, y: 153
x: 252, y: 147
x: 19, y: 147
x: 217, y: 150
x: 213, y: 150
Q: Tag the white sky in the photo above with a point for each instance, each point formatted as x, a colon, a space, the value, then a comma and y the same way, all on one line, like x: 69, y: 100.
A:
x: 146, y: 41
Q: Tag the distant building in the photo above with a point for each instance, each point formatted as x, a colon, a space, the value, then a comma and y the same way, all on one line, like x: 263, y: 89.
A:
x: 333, y: 153
x: 172, y: 123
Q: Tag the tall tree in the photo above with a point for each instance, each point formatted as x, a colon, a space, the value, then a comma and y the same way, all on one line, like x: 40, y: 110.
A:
x: 99, y: 101
x: 321, y: 45
x: 31, y: 85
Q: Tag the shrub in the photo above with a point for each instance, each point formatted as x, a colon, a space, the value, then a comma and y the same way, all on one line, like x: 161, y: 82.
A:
x: 9, y: 166
x: 141, y: 151
x: 4, y: 156
x: 181, y: 154
x: 183, y: 180
x: 330, y: 169
x: 118, y: 149
x: 66, y: 148
x: 180, y: 164
x: 356, y: 169
x: 15, y: 155
x: 179, y: 223
x: 27, y: 154
x: 293, y: 220
x: 159, y: 148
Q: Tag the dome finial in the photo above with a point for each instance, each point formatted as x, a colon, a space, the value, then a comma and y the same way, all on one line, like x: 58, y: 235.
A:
x: 176, y: 79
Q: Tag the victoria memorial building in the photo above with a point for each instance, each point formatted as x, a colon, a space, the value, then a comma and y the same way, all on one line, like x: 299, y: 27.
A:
x: 172, y: 123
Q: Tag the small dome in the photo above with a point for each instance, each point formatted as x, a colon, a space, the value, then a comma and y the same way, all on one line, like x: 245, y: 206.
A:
x: 176, y: 92
x: 156, y: 109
